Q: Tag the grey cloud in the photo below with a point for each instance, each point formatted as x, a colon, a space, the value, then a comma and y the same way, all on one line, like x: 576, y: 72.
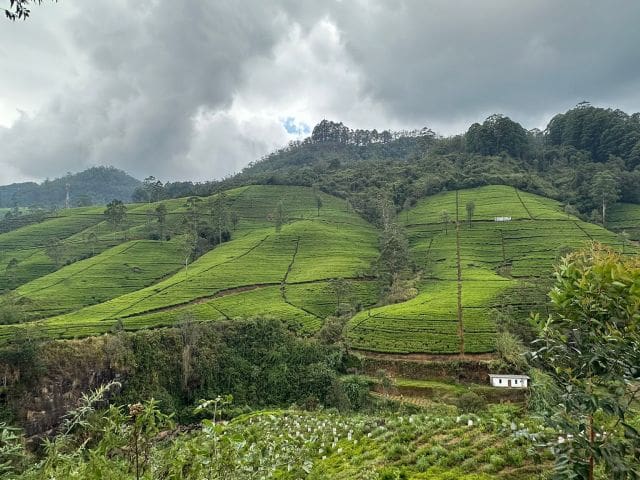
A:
x: 150, y: 71
x: 447, y: 61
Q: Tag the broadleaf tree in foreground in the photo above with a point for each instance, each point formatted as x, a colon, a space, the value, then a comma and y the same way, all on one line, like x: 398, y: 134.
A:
x: 590, y: 347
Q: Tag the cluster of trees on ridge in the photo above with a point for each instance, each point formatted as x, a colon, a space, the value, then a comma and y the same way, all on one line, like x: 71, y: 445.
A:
x: 94, y: 186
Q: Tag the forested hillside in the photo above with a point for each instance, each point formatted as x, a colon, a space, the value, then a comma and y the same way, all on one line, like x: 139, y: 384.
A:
x: 583, y: 153
x: 94, y: 186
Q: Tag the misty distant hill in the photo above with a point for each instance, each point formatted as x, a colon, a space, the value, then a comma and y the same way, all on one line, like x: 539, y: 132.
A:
x: 96, y: 185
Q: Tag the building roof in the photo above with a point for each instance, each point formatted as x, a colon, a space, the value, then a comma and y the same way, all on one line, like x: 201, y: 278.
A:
x: 507, y: 376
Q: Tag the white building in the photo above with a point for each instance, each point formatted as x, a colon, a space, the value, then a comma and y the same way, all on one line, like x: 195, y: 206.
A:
x: 508, y: 381
x: 502, y: 219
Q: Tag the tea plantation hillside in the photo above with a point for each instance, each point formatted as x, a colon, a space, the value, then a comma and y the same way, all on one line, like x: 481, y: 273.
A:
x: 124, y: 268
x: 117, y: 278
x: 26, y: 246
x: 261, y: 271
x: 82, y: 232
x: 494, y: 257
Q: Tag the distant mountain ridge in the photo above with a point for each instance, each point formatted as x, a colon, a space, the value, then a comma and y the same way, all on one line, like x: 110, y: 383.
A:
x: 96, y: 185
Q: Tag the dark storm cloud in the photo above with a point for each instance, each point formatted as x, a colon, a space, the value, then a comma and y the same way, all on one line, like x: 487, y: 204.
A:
x: 457, y: 60
x: 196, y: 89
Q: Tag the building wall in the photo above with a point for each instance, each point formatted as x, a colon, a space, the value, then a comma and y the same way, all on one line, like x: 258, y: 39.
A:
x: 504, y: 382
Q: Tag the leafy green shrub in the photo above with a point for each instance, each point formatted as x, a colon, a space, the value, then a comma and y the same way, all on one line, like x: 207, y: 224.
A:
x: 469, y: 465
x: 12, y: 451
x: 396, y: 451
x: 423, y: 463
x: 392, y: 474
x: 497, y: 461
x: 514, y: 457
x: 511, y: 350
x: 471, y: 402
x: 356, y: 389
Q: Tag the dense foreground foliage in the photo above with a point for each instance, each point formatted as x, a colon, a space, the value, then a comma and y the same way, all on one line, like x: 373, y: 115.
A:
x: 590, y: 347
x: 299, y: 413
x: 140, y: 442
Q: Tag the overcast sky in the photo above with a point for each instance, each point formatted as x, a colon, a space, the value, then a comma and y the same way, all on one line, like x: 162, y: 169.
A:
x: 191, y: 89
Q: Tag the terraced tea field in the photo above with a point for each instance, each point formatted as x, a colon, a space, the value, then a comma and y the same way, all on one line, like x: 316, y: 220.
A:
x: 121, y: 269
x: 494, y: 256
x: 27, y: 245
x: 260, y: 272
x: 121, y: 280
x: 83, y: 232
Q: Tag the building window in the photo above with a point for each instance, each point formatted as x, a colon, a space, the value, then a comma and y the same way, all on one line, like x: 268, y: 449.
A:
x: 500, y: 381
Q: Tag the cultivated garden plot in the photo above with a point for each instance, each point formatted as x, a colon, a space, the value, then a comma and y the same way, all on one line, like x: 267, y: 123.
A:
x: 291, y: 444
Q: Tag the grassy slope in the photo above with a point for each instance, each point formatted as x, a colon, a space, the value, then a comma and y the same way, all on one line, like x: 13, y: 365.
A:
x: 523, y: 248
x: 27, y: 244
x: 246, y: 276
x: 115, y: 264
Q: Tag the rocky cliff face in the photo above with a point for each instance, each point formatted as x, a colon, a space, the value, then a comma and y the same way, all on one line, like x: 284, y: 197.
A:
x: 64, y: 371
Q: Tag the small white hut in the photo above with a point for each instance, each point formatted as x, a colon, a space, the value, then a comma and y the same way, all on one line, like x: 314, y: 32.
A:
x: 502, y: 219
x: 508, y: 381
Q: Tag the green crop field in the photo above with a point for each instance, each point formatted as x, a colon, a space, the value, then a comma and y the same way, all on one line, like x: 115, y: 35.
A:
x: 260, y: 272
x: 494, y: 256
x: 425, y: 443
x: 27, y: 244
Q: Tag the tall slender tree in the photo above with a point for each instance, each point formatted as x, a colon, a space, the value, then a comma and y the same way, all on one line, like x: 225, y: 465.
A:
x: 471, y: 208
x: 280, y: 217
x: 605, y: 189
x: 445, y: 219
x: 161, y: 218
x: 220, y: 216
x: 55, y: 251
x: 115, y: 214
